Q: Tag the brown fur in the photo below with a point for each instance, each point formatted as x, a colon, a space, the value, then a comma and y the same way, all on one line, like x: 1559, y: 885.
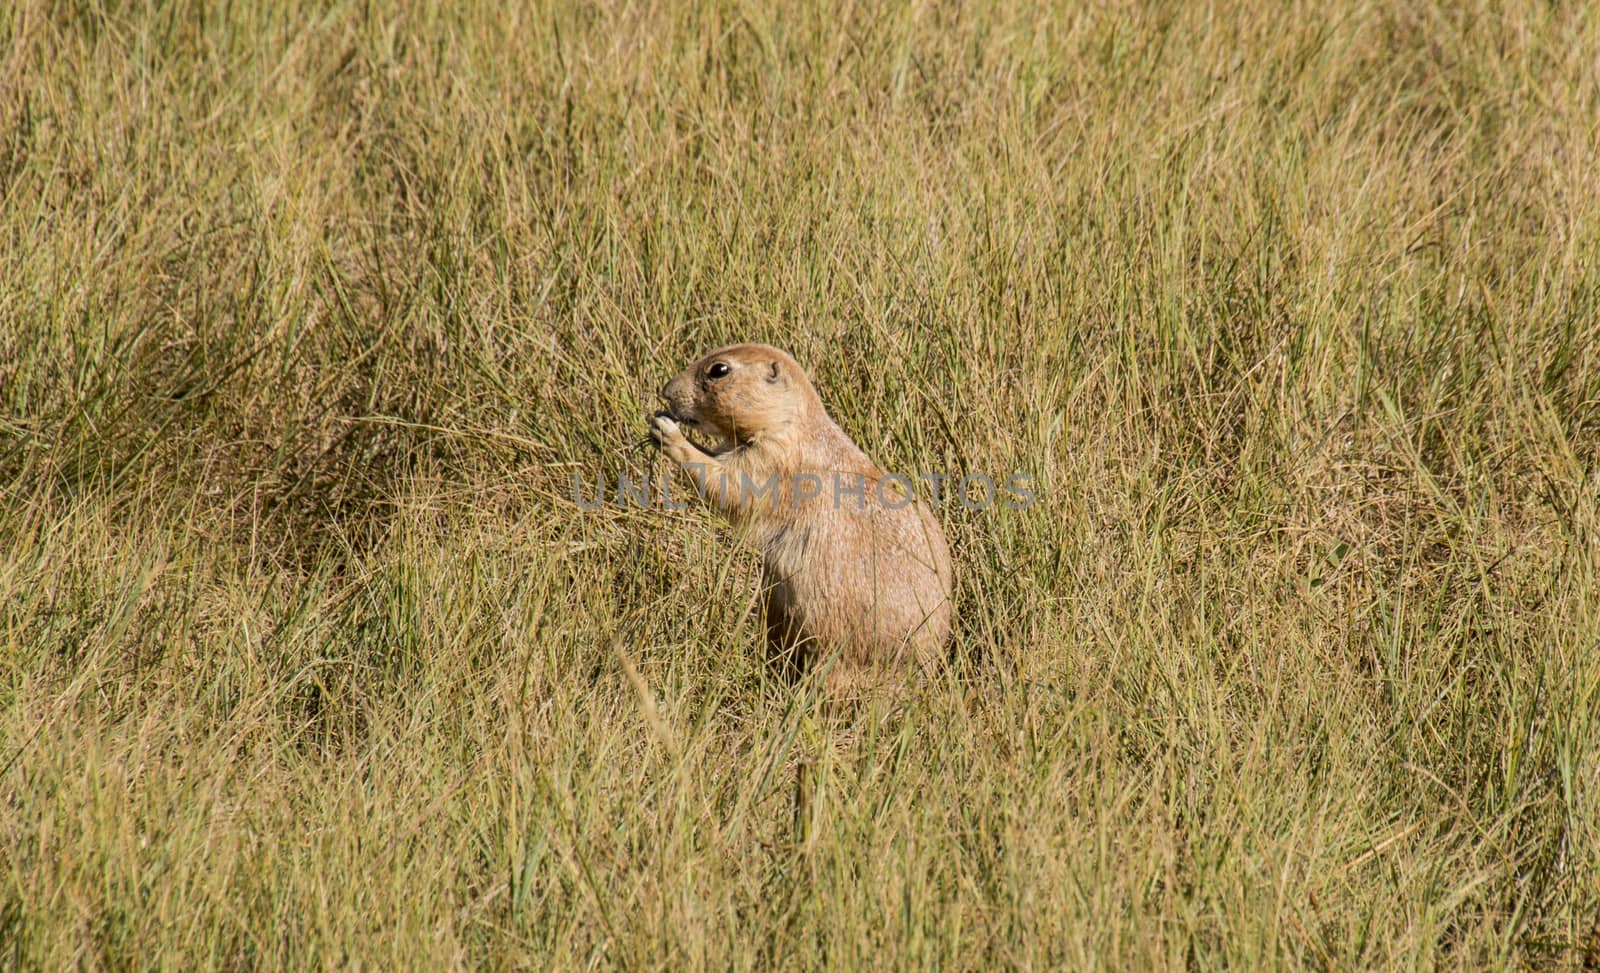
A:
x: 861, y: 583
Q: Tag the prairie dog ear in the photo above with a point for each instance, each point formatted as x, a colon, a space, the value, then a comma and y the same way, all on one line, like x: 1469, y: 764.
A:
x: 776, y: 374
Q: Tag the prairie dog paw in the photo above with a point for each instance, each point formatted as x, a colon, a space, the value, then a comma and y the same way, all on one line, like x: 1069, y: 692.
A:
x: 664, y: 429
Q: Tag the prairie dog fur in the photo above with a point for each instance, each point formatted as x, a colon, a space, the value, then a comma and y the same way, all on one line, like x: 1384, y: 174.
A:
x: 856, y: 574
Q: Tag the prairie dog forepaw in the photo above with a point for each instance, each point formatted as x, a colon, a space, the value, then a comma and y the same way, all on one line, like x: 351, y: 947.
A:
x: 663, y: 426
x: 664, y: 429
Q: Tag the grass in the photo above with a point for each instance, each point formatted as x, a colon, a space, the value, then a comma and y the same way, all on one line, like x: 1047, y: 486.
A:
x: 309, y: 313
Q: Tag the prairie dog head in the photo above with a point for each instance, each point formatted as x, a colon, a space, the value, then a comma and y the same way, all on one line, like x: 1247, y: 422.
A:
x: 741, y: 393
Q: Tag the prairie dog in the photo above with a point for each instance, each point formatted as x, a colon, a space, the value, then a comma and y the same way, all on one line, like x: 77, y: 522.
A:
x: 856, y: 574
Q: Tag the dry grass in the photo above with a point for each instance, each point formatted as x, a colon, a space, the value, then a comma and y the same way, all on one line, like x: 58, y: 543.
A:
x: 309, y: 313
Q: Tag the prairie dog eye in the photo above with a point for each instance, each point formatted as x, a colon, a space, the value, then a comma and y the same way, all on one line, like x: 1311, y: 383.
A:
x: 718, y: 370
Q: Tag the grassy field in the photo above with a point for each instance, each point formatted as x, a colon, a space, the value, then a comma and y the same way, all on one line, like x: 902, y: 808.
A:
x: 311, y: 312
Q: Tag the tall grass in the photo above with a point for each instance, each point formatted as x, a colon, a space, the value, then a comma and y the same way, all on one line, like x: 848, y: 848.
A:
x: 309, y: 314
